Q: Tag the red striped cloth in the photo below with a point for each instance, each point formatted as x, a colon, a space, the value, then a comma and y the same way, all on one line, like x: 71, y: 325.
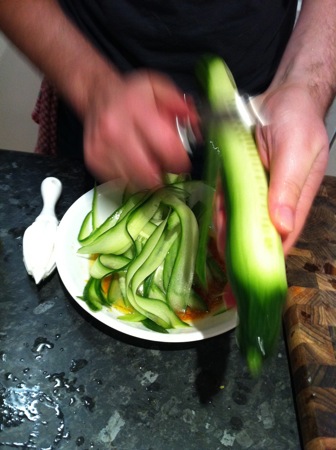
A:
x: 45, y: 115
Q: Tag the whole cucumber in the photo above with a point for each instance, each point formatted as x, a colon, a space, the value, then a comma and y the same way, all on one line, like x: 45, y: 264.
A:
x: 254, y: 255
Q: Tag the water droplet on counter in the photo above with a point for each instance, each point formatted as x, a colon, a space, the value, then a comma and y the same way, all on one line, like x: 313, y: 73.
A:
x: 62, y: 382
x: 9, y: 376
x: 41, y: 344
x: 80, y: 441
x: 77, y: 364
x: 3, y: 356
x: 80, y: 389
x: 21, y: 406
x: 66, y: 435
x: 89, y: 403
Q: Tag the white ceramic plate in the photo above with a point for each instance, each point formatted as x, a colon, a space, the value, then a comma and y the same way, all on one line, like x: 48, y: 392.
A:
x: 74, y: 272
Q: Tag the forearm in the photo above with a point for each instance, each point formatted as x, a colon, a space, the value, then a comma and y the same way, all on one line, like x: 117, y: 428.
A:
x: 310, y: 57
x: 46, y: 36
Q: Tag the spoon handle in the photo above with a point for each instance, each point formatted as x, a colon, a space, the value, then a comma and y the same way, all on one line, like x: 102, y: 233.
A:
x: 51, y: 189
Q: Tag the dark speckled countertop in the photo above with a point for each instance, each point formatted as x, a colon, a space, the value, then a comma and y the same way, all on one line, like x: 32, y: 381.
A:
x: 68, y: 382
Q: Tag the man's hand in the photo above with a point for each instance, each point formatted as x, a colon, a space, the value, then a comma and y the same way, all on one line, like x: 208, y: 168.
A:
x: 130, y: 129
x: 294, y: 148
x: 129, y: 121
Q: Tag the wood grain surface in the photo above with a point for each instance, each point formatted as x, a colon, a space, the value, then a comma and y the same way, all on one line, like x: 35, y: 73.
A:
x: 310, y: 322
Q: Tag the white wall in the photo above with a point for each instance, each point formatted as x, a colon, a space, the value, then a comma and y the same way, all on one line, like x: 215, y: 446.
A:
x: 19, y: 86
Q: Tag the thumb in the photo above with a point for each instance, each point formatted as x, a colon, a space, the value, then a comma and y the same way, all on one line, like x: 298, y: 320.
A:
x: 297, y: 163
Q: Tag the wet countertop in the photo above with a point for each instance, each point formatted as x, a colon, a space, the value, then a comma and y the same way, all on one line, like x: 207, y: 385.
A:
x: 67, y: 381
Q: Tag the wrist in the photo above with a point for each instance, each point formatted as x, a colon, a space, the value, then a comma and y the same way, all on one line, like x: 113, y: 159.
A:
x: 315, y: 76
x: 90, y: 80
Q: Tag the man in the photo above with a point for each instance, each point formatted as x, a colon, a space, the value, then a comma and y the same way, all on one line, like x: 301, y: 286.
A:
x: 122, y: 69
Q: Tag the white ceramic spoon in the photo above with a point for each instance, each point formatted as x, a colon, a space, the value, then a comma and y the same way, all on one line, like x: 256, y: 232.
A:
x: 39, y: 239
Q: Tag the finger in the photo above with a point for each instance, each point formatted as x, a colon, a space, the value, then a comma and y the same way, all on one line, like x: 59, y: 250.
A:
x: 168, y: 96
x: 138, y: 168
x: 305, y: 201
x: 116, y: 150
x: 157, y: 137
x: 155, y: 119
x: 297, y: 164
x: 166, y: 146
x: 170, y: 100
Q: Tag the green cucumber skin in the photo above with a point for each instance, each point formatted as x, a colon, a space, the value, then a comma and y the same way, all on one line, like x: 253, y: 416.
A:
x: 254, y: 256
x: 246, y: 199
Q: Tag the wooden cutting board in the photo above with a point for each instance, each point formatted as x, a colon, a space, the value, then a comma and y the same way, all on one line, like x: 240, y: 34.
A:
x: 310, y: 322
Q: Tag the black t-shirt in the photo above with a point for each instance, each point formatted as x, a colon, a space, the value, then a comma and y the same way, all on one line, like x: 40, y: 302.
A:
x: 172, y: 35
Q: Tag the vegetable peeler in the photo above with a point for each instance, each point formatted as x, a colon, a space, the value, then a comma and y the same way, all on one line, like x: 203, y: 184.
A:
x: 244, y: 110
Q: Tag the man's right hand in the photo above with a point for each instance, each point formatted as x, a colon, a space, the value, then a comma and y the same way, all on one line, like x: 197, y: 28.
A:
x: 130, y: 129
